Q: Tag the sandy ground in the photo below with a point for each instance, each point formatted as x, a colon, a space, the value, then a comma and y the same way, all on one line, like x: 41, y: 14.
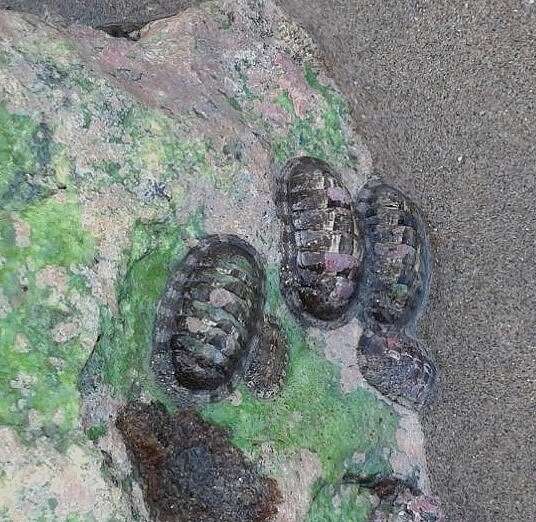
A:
x: 444, y: 93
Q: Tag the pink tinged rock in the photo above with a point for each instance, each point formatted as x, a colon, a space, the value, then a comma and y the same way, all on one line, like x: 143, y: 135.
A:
x: 274, y: 113
x: 392, y: 343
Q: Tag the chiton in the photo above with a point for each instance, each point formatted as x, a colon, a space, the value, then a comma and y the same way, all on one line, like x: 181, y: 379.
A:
x: 396, y: 277
x: 268, y: 361
x: 398, y: 366
x: 209, y: 317
x: 321, y: 245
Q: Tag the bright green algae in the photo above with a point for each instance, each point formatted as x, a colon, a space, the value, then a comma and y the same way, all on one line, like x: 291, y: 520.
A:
x: 322, y: 137
x: 47, y: 373
x: 121, y: 357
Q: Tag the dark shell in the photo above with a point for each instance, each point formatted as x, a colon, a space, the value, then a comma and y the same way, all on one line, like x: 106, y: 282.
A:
x: 209, y: 317
x: 190, y: 471
x: 398, y: 366
x: 321, y: 245
x: 397, y: 258
x: 268, y: 360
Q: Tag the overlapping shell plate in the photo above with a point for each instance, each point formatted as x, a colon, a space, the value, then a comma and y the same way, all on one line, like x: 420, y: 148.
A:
x: 398, y: 366
x: 397, y: 268
x: 209, y: 317
x: 321, y: 245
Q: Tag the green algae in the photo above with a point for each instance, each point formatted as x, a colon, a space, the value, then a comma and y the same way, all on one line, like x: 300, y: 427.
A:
x: 37, y: 373
x: 157, y: 144
x: 24, y: 152
x: 348, y: 503
x: 310, y: 411
x: 121, y: 356
x: 285, y: 102
x: 97, y: 431
x: 324, y: 136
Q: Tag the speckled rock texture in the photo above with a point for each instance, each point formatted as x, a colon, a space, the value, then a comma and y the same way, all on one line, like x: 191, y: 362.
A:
x: 117, y: 157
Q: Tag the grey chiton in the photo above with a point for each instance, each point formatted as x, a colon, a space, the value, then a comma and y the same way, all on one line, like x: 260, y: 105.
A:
x: 208, y: 318
x: 393, y: 293
x: 321, y: 245
x: 396, y: 278
x: 398, y: 366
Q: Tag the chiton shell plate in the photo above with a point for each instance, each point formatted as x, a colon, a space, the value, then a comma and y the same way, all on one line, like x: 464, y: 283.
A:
x: 321, y: 244
x: 396, y: 278
x: 208, y: 318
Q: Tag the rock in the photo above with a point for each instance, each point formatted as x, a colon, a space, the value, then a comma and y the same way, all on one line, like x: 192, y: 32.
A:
x: 191, y: 471
x: 116, y: 158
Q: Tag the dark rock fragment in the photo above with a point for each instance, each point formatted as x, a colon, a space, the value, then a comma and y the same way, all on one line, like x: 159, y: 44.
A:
x: 190, y: 472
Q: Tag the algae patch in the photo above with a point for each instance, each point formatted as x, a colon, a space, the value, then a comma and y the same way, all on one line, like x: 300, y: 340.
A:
x: 24, y: 154
x: 38, y: 374
x: 322, y: 137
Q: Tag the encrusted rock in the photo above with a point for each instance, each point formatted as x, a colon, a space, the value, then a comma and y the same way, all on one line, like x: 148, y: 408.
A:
x: 400, y: 501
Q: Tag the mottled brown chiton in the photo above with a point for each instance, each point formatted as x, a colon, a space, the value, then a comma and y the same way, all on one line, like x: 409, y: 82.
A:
x: 396, y: 278
x: 209, y: 317
x: 268, y: 360
x: 321, y: 245
x: 398, y: 366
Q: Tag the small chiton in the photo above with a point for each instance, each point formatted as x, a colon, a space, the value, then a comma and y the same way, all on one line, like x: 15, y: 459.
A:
x: 398, y: 366
x: 396, y: 277
x: 268, y: 360
x: 321, y: 245
x: 208, y: 318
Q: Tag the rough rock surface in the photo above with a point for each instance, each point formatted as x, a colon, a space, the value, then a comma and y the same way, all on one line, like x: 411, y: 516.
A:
x: 115, y: 156
x: 184, y: 457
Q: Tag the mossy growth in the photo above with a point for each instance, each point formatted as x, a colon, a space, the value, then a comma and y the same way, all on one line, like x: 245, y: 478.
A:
x: 121, y: 356
x: 39, y: 374
x: 310, y: 411
x: 345, y: 503
x: 322, y: 136
x: 97, y: 431
x: 24, y: 153
x: 154, y: 143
